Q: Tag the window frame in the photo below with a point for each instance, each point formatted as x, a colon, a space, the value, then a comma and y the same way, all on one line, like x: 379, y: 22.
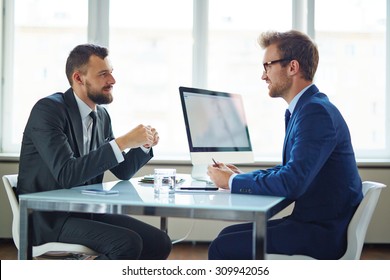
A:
x: 98, y: 32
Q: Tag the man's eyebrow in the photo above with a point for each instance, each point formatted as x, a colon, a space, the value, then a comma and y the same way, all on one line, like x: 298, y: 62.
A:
x: 105, y: 71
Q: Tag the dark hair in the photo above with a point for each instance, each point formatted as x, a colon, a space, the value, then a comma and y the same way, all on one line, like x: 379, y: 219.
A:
x: 295, y: 45
x: 79, y: 57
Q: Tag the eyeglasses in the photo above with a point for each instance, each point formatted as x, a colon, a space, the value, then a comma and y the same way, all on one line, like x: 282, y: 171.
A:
x: 267, y: 64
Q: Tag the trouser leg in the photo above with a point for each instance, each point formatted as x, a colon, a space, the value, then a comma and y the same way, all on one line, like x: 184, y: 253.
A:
x: 117, y: 237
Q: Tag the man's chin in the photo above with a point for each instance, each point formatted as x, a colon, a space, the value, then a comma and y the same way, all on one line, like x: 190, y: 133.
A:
x: 106, y: 101
x: 102, y: 99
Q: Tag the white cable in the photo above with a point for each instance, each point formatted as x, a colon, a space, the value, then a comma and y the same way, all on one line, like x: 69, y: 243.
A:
x: 186, y: 236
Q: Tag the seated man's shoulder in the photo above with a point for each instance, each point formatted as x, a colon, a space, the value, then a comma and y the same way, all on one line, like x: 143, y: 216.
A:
x: 55, y: 99
x: 53, y: 104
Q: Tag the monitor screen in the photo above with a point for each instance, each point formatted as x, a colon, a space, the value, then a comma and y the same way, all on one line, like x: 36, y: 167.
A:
x: 216, y: 126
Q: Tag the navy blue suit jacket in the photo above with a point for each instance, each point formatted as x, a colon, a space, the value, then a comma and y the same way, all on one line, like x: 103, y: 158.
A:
x: 318, y: 173
x: 52, y: 156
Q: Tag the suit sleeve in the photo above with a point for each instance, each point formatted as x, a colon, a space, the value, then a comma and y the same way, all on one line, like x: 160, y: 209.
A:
x: 308, y: 147
x: 51, y: 133
x: 134, y: 160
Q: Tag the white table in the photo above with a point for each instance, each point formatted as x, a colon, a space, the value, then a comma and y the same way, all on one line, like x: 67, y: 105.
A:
x: 138, y: 199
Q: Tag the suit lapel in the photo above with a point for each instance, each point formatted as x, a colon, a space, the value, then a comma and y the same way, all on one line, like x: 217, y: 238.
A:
x: 302, y: 100
x: 74, y: 115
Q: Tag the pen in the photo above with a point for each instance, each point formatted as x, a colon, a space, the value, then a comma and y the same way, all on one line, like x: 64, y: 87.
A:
x: 199, y: 189
x: 215, y: 163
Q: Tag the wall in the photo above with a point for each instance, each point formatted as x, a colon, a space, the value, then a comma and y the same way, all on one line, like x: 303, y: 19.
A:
x: 378, y: 232
x: 5, y: 208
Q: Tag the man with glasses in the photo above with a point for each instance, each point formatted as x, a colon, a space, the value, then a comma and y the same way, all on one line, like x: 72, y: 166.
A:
x: 318, y: 170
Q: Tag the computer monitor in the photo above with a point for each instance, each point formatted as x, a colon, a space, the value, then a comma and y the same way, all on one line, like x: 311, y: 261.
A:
x: 216, y: 128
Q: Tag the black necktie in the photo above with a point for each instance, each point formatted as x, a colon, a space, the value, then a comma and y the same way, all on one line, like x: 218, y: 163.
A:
x: 287, y: 115
x: 93, y: 134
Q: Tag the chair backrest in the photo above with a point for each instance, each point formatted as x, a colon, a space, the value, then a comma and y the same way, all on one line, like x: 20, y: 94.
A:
x: 358, y: 225
x: 10, y: 182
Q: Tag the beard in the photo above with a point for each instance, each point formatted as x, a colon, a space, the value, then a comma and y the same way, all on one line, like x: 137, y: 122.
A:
x: 281, y: 88
x: 98, y: 96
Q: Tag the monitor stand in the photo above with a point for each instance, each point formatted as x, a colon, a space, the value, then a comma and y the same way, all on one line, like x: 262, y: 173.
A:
x: 199, y: 173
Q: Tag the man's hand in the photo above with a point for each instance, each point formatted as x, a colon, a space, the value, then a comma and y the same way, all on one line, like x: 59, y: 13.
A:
x: 139, y: 136
x: 220, y: 173
x: 234, y: 168
x: 156, y: 138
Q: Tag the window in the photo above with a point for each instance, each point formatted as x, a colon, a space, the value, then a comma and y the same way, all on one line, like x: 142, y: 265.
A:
x: 151, y: 52
x: 43, y: 33
x: 152, y: 56
x: 235, y: 64
x: 352, y: 69
x: 157, y: 46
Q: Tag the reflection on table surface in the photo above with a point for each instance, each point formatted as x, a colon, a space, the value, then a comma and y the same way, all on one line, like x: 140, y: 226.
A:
x: 140, y: 193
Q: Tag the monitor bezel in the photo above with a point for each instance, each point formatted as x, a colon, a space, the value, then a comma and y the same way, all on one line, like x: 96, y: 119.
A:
x: 193, y: 149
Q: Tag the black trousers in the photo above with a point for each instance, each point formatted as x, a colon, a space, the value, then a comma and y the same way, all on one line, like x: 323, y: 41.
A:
x: 116, y: 237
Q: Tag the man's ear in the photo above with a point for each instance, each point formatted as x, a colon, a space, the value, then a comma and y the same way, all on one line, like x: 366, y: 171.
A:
x: 78, y: 78
x: 294, y: 66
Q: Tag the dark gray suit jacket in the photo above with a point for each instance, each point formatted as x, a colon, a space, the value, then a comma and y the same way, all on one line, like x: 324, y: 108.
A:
x: 52, y: 156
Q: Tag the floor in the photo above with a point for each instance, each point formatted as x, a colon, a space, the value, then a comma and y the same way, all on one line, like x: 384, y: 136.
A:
x: 198, y: 251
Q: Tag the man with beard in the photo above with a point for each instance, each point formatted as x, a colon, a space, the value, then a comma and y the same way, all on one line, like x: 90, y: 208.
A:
x: 318, y: 170
x: 57, y: 153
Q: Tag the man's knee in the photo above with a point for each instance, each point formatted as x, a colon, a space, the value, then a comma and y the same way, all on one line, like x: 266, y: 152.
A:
x: 127, y: 247
x: 166, y: 246
x: 159, y: 248
x: 213, y: 252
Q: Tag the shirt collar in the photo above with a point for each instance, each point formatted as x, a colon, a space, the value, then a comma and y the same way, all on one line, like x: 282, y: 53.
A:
x: 294, y: 102
x: 83, y: 108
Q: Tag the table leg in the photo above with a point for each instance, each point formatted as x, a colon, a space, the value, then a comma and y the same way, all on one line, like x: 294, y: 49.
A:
x: 164, y: 224
x: 25, y: 233
x: 259, y: 237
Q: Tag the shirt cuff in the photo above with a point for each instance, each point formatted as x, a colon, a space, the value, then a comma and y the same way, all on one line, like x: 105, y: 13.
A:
x: 117, y: 152
x: 146, y: 150
x: 231, y: 181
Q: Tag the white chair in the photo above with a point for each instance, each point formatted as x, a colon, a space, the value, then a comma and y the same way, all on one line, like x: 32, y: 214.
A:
x: 357, y: 227
x: 51, y: 248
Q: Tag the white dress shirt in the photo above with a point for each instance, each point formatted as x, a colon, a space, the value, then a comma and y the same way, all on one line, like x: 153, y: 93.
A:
x: 87, y: 130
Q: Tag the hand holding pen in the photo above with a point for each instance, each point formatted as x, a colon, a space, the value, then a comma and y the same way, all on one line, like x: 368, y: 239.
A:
x: 232, y: 167
x: 219, y: 174
x: 215, y: 163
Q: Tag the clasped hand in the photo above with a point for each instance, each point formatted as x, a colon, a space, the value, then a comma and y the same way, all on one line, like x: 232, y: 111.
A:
x: 141, y: 135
